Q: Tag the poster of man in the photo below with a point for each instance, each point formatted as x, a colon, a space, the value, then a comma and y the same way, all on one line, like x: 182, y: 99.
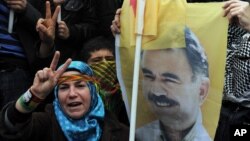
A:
x: 180, y: 80
x: 175, y: 84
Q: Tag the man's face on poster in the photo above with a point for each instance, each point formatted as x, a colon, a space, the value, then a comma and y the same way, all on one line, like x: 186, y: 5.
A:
x: 169, y: 88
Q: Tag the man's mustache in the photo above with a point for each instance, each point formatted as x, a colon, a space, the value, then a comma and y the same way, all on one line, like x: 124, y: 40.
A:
x: 161, y: 100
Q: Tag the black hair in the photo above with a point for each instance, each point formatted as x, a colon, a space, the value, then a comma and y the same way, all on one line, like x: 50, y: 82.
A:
x: 93, y: 45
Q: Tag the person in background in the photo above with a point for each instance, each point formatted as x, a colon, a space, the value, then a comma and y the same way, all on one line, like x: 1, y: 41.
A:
x: 235, y: 108
x: 106, y: 11
x: 77, y: 112
x: 99, y: 54
x: 20, y: 53
x: 76, y: 25
x: 20, y: 77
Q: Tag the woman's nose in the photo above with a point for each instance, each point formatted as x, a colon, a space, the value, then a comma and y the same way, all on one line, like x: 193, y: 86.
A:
x: 72, y: 92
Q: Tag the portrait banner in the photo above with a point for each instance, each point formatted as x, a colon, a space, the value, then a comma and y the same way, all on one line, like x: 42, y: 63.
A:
x: 182, y: 65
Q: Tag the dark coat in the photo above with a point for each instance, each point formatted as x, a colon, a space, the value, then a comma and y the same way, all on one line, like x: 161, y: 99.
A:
x: 43, y: 126
x: 106, y: 10
x: 25, y: 27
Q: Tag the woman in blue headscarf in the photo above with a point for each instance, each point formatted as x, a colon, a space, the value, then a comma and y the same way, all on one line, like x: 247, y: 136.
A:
x: 77, y: 113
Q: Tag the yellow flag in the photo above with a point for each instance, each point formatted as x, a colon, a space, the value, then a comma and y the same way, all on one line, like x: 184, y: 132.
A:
x: 156, y: 13
x: 165, y: 22
x: 208, y: 24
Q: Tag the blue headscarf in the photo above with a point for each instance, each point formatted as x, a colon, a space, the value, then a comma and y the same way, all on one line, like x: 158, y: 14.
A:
x: 87, y: 128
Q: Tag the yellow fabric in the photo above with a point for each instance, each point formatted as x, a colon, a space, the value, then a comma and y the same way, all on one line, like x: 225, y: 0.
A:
x: 158, y: 15
x: 164, y: 22
x: 207, y: 23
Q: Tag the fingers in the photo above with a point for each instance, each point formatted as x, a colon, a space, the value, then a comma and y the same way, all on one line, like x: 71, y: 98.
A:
x: 16, y: 5
x: 63, y: 30
x: 118, y: 11
x: 62, y: 26
x: 63, y: 34
x: 227, y: 7
x: 40, y: 75
x: 226, y: 4
x: 43, y: 75
x: 117, y: 20
x: 233, y: 13
x: 48, y: 10
x: 42, y: 29
x: 232, y: 7
x: 55, y: 60
x: 39, y: 22
x: 117, y: 17
x: 14, y: 2
x: 54, y: 18
x: 60, y: 71
x: 115, y: 27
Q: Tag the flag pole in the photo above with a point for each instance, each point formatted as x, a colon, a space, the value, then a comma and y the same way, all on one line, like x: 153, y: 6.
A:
x: 140, y: 20
x: 11, y: 21
x: 119, y: 74
x: 59, y: 17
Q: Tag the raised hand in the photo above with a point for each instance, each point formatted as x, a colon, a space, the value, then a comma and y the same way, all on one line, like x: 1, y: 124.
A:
x: 46, y: 27
x: 115, y: 27
x: 46, y: 79
x: 239, y: 11
x: 63, y: 30
x: 17, y: 5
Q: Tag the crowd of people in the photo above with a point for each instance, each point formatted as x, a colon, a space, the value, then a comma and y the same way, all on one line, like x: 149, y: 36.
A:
x: 94, y: 106
x: 82, y: 99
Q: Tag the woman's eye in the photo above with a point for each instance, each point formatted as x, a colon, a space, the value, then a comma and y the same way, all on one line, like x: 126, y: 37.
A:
x: 81, y: 85
x: 62, y: 87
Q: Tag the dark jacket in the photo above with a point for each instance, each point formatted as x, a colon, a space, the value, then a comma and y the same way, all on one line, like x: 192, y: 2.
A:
x: 25, y: 27
x: 80, y: 17
x: 106, y: 10
x: 43, y: 126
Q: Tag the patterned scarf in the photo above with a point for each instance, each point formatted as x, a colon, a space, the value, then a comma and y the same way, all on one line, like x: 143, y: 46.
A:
x: 87, y: 128
x: 105, y: 72
x: 77, y: 77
